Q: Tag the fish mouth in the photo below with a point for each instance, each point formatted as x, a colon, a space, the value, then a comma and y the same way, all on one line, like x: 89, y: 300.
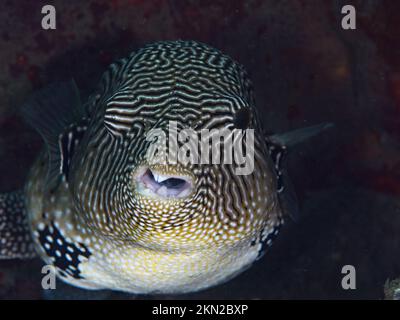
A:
x: 164, y: 183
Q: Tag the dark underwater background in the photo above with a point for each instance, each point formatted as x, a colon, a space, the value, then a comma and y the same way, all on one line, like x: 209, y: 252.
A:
x: 305, y: 69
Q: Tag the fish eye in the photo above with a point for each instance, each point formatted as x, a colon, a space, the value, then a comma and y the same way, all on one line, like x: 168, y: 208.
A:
x: 242, y: 118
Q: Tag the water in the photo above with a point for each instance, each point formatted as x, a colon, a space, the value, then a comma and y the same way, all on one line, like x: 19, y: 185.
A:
x: 306, y: 70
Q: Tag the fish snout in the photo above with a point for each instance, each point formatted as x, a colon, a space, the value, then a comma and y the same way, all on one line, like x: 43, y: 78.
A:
x: 162, y: 183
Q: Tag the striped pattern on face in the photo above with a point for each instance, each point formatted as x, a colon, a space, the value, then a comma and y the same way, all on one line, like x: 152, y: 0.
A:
x: 198, y: 87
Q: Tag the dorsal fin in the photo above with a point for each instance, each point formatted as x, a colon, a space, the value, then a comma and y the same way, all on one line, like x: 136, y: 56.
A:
x: 52, y: 111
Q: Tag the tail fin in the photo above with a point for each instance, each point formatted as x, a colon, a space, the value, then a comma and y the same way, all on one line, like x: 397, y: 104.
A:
x: 15, y: 238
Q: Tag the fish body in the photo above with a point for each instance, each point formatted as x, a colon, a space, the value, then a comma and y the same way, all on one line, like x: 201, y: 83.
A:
x: 106, y: 217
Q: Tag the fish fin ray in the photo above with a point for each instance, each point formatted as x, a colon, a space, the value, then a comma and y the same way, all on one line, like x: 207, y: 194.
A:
x: 50, y: 111
x: 292, y: 138
x: 278, y: 146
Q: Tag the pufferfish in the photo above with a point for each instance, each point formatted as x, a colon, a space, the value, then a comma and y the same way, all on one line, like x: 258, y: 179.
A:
x: 92, y: 206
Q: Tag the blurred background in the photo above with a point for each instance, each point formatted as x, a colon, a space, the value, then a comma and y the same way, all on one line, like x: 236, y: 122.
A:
x: 305, y: 69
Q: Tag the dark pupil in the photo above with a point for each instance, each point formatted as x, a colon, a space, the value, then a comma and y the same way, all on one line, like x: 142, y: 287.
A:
x: 242, y: 118
x: 173, y: 183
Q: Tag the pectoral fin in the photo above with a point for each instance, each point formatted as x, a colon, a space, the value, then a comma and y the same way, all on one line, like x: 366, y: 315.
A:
x: 57, y: 114
x: 278, y: 147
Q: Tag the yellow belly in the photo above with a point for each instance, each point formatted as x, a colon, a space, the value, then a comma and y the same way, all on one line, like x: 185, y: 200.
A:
x: 127, y: 266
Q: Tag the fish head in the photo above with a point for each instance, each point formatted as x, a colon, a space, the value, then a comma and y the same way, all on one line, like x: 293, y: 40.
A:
x: 174, y: 156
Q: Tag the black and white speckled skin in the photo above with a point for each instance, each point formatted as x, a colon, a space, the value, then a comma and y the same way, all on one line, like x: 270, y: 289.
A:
x: 15, y: 238
x: 84, y: 259
x: 100, y: 230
